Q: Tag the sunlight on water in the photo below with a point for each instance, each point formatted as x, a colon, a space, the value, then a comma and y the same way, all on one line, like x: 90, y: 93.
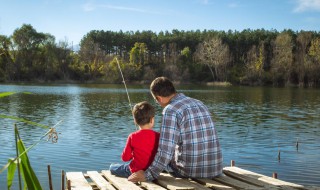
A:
x: 253, y: 125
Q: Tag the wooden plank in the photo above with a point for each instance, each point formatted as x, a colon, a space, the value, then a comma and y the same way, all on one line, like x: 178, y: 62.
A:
x: 151, y: 186
x: 229, y: 181
x: 101, y: 183
x: 120, y: 182
x: 172, y: 183
x: 253, y: 177
x: 78, y: 182
x: 251, y: 180
x: 214, y: 184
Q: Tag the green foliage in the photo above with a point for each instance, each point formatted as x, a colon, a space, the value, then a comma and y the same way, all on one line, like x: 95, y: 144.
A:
x: 11, y: 170
x: 4, y: 94
x: 28, y: 55
x: 21, y: 162
x: 23, y: 120
x: 29, y: 177
x: 314, y: 50
x: 138, y: 54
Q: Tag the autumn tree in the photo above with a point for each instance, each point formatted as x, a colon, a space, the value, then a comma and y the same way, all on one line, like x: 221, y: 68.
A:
x: 282, y: 62
x: 254, y: 63
x: 314, y: 64
x: 215, y: 54
x: 93, y: 58
x: 301, y: 61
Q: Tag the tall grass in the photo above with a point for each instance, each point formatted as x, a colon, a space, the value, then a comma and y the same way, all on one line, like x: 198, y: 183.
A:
x: 21, y: 163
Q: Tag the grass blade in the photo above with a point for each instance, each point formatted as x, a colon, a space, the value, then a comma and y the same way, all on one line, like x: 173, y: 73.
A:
x: 23, y: 120
x: 4, y: 94
x: 30, y: 177
x: 11, y: 170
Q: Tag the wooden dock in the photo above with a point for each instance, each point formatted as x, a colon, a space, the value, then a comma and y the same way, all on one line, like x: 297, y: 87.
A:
x: 233, y: 178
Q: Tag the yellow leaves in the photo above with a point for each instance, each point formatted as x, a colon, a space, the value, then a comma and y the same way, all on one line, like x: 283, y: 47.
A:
x: 314, y: 50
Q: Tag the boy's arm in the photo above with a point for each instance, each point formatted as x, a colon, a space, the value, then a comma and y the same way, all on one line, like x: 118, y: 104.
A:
x: 127, y: 151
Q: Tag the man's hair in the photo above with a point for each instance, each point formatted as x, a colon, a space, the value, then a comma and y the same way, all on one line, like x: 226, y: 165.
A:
x: 162, y: 86
x: 143, y: 112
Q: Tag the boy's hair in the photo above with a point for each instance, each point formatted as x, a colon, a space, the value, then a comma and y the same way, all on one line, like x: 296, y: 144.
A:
x: 143, y: 112
x: 162, y: 86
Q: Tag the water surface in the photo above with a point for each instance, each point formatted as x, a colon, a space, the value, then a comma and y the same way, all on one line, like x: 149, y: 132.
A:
x: 253, y: 124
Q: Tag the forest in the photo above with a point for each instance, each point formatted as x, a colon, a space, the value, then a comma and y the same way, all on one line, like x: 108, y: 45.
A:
x: 248, y: 57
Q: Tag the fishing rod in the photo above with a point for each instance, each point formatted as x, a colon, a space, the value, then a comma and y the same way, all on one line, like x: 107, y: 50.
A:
x: 125, y: 86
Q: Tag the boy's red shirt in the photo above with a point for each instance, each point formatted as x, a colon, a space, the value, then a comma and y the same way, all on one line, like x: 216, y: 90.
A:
x: 141, y: 148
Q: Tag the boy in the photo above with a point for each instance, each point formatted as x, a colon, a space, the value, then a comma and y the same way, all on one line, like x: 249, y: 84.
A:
x: 141, y: 145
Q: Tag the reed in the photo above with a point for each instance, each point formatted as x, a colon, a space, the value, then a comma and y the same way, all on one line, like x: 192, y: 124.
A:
x: 21, y: 162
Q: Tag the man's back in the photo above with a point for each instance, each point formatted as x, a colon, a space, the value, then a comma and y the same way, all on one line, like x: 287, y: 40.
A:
x: 198, y: 152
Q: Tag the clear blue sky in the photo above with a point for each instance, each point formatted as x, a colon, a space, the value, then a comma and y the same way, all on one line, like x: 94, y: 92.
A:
x: 71, y: 19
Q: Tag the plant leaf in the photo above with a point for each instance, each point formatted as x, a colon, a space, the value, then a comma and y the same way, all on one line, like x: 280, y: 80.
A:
x: 29, y: 176
x: 4, y: 94
x: 23, y: 120
x: 11, y: 170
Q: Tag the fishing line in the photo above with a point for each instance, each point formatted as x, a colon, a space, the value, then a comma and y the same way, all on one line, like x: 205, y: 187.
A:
x: 125, y: 86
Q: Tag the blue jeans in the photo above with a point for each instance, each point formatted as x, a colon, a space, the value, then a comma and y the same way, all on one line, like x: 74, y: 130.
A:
x: 120, y: 170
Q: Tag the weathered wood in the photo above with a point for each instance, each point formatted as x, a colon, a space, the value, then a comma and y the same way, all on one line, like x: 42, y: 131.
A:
x: 173, y: 183
x: 100, y: 182
x: 234, y: 178
x: 248, y: 179
x: 256, y: 178
x: 232, y: 182
x: 78, y: 182
x: 119, y: 182
x: 151, y: 185
x: 214, y: 184
x: 62, y: 180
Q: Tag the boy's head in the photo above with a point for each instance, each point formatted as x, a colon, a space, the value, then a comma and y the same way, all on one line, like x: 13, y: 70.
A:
x: 143, y: 112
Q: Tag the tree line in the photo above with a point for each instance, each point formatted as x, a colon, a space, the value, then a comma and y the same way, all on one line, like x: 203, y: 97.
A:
x: 249, y: 57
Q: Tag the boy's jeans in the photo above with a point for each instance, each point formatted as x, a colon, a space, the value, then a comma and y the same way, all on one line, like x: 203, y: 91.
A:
x: 120, y: 170
x: 123, y: 170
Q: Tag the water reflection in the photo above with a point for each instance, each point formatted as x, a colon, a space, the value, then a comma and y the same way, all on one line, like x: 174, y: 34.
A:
x: 253, y: 124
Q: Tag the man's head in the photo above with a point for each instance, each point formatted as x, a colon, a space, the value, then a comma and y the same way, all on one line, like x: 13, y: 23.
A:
x: 162, y: 86
x: 162, y: 90
x: 143, y: 113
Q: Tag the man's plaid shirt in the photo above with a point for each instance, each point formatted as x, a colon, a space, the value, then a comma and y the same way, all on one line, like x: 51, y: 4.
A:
x: 188, y: 141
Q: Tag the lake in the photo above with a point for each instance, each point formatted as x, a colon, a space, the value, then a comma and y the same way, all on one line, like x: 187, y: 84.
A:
x: 253, y: 125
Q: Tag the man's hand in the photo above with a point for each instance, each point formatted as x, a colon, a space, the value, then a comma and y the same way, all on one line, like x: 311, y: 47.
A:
x: 137, y: 176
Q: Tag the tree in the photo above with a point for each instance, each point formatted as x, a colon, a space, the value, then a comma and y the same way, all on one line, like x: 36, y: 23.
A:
x: 314, y: 63
x: 93, y: 58
x: 27, y: 42
x: 282, y: 62
x: 254, y: 63
x: 5, y: 58
x: 138, y: 54
x: 303, y: 41
x: 214, y: 54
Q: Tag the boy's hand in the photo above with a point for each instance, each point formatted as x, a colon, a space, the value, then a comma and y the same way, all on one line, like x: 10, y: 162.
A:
x: 137, y: 176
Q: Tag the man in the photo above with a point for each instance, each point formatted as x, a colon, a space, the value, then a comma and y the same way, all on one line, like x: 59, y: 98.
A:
x: 188, y: 144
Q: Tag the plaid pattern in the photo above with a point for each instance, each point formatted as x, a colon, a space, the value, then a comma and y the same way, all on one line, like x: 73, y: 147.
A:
x: 188, y: 141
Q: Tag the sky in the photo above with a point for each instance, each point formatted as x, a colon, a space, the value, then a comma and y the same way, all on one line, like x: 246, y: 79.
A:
x: 71, y: 20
